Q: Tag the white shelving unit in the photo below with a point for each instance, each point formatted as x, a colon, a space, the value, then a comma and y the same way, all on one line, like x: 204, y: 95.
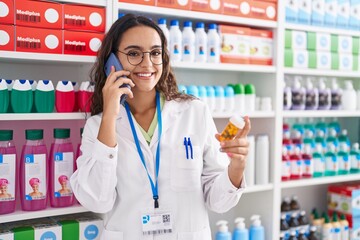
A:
x: 264, y: 199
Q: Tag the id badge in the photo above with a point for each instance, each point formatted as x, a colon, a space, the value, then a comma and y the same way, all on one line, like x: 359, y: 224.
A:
x: 157, y: 223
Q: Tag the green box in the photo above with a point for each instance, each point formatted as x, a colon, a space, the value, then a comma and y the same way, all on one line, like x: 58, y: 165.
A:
x: 295, y: 39
x: 322, y: 42
x: 70, y: 229
x: 334, y: 61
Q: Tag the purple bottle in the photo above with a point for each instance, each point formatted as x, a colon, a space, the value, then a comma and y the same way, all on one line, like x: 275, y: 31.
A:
x: 8, y: 178
x: 336, y: 94
x: 312, y: 95
x: 33, y: 172
x: 297, y: 95
x: 324, y: 95
x: 287, y: 97
x: 61, y: 162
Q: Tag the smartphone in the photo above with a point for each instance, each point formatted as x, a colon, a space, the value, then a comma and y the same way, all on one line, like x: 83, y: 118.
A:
x: 114, y: 61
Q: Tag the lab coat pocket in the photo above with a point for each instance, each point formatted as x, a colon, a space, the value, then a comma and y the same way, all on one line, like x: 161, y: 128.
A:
x: 112, y: 235
x: 186, y: 171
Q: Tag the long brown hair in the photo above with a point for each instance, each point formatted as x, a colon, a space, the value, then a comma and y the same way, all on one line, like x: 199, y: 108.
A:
x: 167, y: 84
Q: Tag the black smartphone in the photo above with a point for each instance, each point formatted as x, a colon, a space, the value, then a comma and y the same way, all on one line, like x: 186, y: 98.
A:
x: 114, y: 61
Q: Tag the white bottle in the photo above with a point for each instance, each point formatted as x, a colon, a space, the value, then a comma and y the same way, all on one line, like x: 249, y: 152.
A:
x: 220, y: 99
x: 250, y: 97
x: 229, y: 99
x: 175, y: 41
x: 349, y: 96
x: 200, y: 43
x: 250, y: 163
x: 213, y: 45
x: 163, y: 27
x: 262, y: 160
x: 188, y: 42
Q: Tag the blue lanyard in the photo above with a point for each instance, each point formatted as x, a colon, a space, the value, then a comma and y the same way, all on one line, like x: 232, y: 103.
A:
x: 154, y: 187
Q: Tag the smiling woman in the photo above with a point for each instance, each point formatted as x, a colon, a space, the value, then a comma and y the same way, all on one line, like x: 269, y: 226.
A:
x: 153, y: 165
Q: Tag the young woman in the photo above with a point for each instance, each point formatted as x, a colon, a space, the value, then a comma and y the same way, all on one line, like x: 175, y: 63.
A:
x: 154, y: 166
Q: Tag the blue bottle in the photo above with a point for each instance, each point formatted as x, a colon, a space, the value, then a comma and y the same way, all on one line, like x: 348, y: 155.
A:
x: 223, y: 231
x: 240, y: 232
x: 257, y: 231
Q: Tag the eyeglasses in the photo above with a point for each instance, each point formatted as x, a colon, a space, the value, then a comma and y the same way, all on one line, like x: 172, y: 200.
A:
x: 135, y: 57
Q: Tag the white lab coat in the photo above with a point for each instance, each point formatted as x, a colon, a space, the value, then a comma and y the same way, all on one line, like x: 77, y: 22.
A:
x: 113, y: 181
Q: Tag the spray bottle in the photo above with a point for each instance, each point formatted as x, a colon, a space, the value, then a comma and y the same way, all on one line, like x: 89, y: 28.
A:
x: 223, y: 231
x: 256, y: 230
x: 240, y: 232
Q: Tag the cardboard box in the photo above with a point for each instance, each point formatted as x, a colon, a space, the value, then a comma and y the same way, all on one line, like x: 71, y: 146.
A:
x: 235, y: 45
x: 348, y: 62
x: 304, y: 12
x: 354, y: 20
x: 261, y: 47
x: 263, y: 10
x: 84, y: 18
x: 344, y: 198
x: 295, y: 39
x: 330, y: 13
x: 81, y: 43
x: 318, y: 12
x: 291, y: 10
x: 7, y: 40
x: 5, y: 233
x: 178, y: 4
x: 210, y: 6
x: 7, y: 12
x: 38, y: 40
x: 237, y: 8
x: 343, y: 13
x: 322, y: 42
x: 143, y: 2
x: 39, y: 14
x: 300, y: 58
x: 348, y: 44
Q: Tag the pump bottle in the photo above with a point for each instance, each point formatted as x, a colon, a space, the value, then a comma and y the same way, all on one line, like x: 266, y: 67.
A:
x: 240, y: 232
x: 257, y: 231
x: 223, y: 231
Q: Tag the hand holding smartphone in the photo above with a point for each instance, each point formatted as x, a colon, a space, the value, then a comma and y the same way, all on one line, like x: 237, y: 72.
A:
x: 114, y: 61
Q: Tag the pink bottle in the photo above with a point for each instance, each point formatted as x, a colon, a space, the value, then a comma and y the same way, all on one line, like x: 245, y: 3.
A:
x: 61, y: 162
x: 296, y: 163
x: 286, y: 165
x: 8, y: 176
x: 33, y: 172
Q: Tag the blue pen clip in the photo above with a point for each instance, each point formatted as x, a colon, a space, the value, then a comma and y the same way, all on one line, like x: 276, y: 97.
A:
x: 186, y: 148
x: 191, y: 148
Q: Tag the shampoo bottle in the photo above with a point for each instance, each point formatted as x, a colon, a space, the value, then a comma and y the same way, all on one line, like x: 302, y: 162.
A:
x: 175, y: 41
x: 298, y: 95
x: 188, y: 42
x: 324, y: 95
x: 343, y: 158
x: 200, y: 43
x: 44, y: 97
x: 344, y: 227
x: 257, y: 231
x: 213, y: 44
x: 240, y: 232
x: 223, y: 231
x: 336, y: 94
x: 4, y: 96
x: 21, y: 96
x: 312, y: 95
x: 349, y: 96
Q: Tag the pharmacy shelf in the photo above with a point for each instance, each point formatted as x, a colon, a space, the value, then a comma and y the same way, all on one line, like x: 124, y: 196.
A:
x: 18, y: 57
x: 43, y: 116
x: 101, y: 3
x: 257, y: 114
x: 323, y: 29
x: 319, y: 181
x: 129, y: 7
x: 224, y: 67
x: 319, y: 72
x: 320, y: 113
x: 19, y: 215
x: 259, y: 188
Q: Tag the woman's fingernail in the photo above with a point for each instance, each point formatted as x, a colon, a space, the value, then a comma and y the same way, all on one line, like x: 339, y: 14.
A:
x: 229, y: 154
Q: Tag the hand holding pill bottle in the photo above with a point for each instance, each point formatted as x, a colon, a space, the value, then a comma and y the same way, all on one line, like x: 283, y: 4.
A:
x: 231, y: 129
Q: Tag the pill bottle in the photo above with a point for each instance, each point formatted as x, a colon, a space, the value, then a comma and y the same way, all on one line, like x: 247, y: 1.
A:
x: 235, y: 123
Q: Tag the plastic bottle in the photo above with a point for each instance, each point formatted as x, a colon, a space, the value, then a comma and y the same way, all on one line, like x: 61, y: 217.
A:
x: 293, y: 235
x: 64, y: 96
x: 308, y: 164
x: 10, y: 84
x: 303, y: 221
x: 334, y: 124
x: 229, y: 99
x: 200, y: 43
x: 250, y: 163
x: 44, y: 97
x: 234, y: 124
x: 210, y: 92
x: 298, y: 94
x: 332, y: 139
x: 21, y: 96
x: 33, y: 85
x: 182, y: 89
x: 336, y: 232
x: 4, y: 96
x: 33, y: 172
x: 223, y: 231
x: 312, y: 235
x: 8, y: 170
x: 62, y: 164
x: 284, y: 227
x: 296, y: 138
x: 324, y: 95
x: 220, y: 99
x: 294, y: 205
x: 86, y: 91
x: 257, y: 231
x: 331, y: 161
x: 287, y: 97
x: 203, y: 94
x: 262, y: 161
x: 296, y: 163
x: 302, y: 235
x: 349, y: 96
x: 213, y: 44
x: 343, y: 137
x: 345, y: 234
x: 76, y: 91
x: 175, y: 41
x: 319, y: 162
x: 250, y: 96
x: 188, y: 42
x: 317, y: 223
x: 294, y: 223
x: 240, y: 232
x: 312, y: 95
x: 286, y: 208
x: 162, y: 25
x: 343, y: 158
x: 320, y: 142
x: 355, y: 159
x: 286, y: 165
x: 239, y: 90
x: 336, y: 95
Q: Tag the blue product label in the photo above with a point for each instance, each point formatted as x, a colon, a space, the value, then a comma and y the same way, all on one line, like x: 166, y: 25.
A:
x: 58, y: 156
x: 91, y: 232
x: 29, y: 158
x: 48, y: 236
x: 1, y: 158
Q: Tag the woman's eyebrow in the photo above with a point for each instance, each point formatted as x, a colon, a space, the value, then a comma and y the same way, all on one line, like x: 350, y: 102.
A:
x: 141, y: 48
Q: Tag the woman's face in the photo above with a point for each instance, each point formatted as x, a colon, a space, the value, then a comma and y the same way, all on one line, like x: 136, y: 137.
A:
x: 3, y: 189
x: 146, y: 74
x: 35, y: 187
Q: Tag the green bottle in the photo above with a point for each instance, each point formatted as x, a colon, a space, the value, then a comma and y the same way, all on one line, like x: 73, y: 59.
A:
x: 343, y: 158
x: 334, y: 124
x: 319, y: 162
x: 320, y: 140
x: 343, y: 137
x: 331, y: 161
x: 10, y: 84
x: 44, y: 97
x: 4, y: 96
x: 355, y: 159
x: 332, y: 139
x: 21, y: 96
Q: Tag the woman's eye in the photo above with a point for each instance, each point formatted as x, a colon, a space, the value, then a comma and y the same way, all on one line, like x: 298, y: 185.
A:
x: 133, y: 53
x: 156, y: 53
